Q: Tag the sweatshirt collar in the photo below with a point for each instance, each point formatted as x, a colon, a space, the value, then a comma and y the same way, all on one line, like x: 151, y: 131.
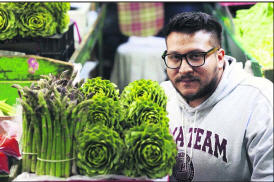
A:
x: 232, y: 76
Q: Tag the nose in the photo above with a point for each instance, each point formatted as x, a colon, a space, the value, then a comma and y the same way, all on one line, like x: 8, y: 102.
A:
x: 185, y: 67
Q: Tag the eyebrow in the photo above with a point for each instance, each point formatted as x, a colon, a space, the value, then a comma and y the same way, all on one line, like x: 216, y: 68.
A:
x: 192, y: 51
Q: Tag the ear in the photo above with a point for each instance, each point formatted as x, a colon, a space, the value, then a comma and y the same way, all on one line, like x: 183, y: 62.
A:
x: 220, y: 57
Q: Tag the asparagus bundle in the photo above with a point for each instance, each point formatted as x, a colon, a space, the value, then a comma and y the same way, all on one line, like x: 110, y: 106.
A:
x: 50, y: 115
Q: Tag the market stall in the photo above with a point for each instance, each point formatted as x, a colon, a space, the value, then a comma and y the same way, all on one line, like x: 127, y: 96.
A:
x: 67, y: 130
x: 55, y: 126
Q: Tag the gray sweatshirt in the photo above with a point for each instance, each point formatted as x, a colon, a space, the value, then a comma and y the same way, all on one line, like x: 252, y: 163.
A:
x: 229, y: 137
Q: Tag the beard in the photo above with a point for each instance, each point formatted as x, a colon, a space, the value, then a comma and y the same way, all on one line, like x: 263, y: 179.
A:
x: 204, y: 91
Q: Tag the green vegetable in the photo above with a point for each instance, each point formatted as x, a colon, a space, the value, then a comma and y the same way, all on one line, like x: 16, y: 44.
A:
x: 64, y: 21
x: 37, y: 21
x: 18, y: 7
x: 45, y: 137
x: 143, y: 88
x: 98, y: 85
x: 254, y: 30
x: 100, y: 151
x: 49, y: 124
x: 6, y: 109
x: 106, y: 111
x: 32, y: 19
x: 8, y: 26
x: 87, y: 121
x: 151, y: 152
x: 57, y: 7
x: 145, y: 111
x: 59, y: 10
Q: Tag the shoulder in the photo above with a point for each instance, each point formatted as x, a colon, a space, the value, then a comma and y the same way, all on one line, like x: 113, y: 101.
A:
x: 262, y: 86
x: 166, y: 84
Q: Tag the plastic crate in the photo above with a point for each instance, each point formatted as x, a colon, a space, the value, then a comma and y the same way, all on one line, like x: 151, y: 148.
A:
x: 59, y: 46
x: 60, y: 55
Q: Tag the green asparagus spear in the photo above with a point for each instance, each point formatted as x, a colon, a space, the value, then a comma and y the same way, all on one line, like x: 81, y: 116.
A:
x: 45, y: 144
x: 49, y: 130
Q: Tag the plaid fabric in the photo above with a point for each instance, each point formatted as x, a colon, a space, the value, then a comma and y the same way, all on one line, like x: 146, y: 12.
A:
x: 140, y: 19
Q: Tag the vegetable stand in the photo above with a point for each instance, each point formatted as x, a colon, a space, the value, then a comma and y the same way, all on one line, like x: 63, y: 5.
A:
x: 93, y: 127
x: 83, y: 130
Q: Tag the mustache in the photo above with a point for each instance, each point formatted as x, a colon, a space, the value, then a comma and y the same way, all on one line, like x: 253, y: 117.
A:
x: 186, y: 77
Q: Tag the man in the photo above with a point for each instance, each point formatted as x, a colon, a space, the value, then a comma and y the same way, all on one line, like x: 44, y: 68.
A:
x: 221, y: 117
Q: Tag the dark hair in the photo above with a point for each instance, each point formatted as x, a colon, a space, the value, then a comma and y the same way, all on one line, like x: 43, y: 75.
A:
x: 191, y: 22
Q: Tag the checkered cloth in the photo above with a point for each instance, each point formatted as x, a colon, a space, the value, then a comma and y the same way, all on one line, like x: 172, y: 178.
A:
x: 140, y: 19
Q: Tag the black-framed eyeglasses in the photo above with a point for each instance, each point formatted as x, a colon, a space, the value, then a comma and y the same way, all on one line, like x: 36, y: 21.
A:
x: 194, y: 59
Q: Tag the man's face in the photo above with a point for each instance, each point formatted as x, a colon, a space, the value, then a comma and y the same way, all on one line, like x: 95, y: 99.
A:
x: 195, y: 84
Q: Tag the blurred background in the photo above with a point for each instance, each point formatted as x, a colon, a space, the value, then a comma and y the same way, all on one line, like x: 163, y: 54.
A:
x: 123, y: 41
x: 240, y: 39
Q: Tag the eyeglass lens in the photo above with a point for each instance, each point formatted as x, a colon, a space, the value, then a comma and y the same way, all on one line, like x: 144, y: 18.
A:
x: 194, y: 59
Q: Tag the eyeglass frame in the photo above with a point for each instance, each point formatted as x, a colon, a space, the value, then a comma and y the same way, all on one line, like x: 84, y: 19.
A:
x: 207, y: 53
